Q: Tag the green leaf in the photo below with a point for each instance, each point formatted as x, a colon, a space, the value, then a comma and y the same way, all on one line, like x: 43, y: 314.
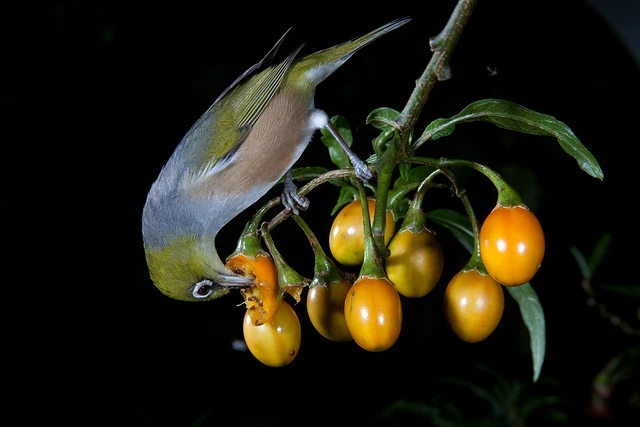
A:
x: 457, y: 223
x: 404, y: 168
x: 530, y: 308
x: 336, y: 153
x: 347, y: 195
x: 400, y: 207
x: 533, y: 317
x: 415, y: 175
x: 511, y: 116
x: 588, y: 268
x: 582, y: 262
x: 381, y: 140
x: 632, y: 291
x: 599, y: 252
x: 398, y: 201
x: 536, y: 403
x: 479, y: 391
x: 383, y: 118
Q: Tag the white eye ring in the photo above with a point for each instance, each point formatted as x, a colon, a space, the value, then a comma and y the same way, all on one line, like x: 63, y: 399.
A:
x: 202, y: 289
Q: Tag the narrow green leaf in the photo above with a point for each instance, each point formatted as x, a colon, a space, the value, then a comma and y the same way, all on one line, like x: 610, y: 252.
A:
x: 533, y: 317
x: 530, y: 307
x: 457, y: 223
x: 479, y: 391
x: 599, y: 252
x: 511, y: 116
x: 632, y: 291
x: 582, y: 262
x: 536, y: 403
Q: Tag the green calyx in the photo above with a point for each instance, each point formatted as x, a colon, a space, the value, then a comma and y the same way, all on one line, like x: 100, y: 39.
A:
x: 287, y: 276
x: 414, y: 219
x: 325, y: 271
x: 250, y: 241
x: 475, y: 262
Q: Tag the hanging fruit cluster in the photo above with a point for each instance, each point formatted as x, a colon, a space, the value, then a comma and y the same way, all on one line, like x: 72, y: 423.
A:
x: 397, y: 254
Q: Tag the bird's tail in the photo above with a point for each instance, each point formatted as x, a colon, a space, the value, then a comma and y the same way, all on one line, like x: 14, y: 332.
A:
x: 321, y: 64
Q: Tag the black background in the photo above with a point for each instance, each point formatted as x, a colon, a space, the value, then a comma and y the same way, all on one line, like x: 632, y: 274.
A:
x: 96, y: 105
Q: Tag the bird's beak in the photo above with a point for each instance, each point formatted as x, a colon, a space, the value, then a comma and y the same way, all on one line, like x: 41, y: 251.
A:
x: 234, y: 281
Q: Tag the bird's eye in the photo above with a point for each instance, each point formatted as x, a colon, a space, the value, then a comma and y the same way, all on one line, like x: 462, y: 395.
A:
x: 202, y: 289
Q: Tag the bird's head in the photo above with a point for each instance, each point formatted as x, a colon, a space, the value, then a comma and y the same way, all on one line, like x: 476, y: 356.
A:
x: 188, y: 268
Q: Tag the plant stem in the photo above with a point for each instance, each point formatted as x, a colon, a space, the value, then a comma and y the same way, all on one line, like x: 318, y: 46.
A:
x: 386, y: 167
x: 507, y: 196
x: 438, y: 68
x: 287, y: 276
x: 418, y: 198
x: 414, y: 219
x: 372, y: 265
x: 314, y: 183
x: 322, y: 264
x: 475, y: 262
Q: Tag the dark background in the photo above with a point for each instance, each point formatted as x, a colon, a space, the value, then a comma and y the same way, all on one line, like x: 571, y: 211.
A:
x: 96, y: 96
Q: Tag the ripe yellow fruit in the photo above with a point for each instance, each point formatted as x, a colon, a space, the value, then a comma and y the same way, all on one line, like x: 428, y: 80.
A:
x: 415, y: 262
x: 346, y: 238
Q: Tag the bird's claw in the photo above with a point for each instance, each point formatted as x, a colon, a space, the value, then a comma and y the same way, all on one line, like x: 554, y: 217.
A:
x: 361, y: 170
x: 291, y: 200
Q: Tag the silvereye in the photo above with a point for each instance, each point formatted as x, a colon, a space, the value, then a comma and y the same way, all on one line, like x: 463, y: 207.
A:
x: 246, y: 141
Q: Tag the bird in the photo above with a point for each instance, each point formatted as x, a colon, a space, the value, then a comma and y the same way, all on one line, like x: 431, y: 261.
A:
x: 238, y: 149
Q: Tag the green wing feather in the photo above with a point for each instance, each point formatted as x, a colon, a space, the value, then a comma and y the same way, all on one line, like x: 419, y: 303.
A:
x: 225, y: 125
x: 253, y: 97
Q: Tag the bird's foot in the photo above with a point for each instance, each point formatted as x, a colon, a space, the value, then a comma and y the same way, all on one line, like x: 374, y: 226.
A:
x: 290, y: 198
x: 361, y: 169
